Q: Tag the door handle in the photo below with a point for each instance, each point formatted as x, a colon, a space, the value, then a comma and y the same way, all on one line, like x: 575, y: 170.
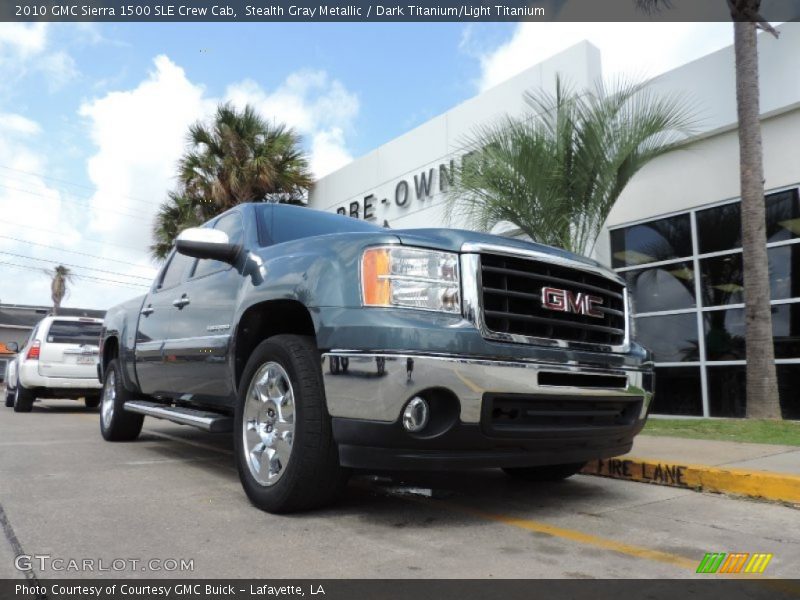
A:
x: 148, y: 310
x: 181, y: 302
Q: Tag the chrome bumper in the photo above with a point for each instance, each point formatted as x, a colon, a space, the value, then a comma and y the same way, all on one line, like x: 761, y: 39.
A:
x: 376, y: 386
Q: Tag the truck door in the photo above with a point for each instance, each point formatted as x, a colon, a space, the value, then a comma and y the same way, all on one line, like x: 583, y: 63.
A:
x: 154, y: 326
x: 202, y: 324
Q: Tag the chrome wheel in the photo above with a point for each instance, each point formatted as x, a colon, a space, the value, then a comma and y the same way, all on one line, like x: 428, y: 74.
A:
x: 268, y: 423
x: 109, y: 397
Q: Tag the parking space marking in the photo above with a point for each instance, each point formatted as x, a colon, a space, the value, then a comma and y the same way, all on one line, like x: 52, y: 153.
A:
x: 587, y: 539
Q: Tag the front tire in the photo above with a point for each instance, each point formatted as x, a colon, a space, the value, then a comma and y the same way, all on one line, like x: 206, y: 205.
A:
x: 116, y: 424
x: 285, y: 452
x: 23, y: 399
x: 545, y: 472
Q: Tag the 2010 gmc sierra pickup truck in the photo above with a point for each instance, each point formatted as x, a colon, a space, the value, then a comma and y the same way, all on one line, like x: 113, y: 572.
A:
x: 328, y: 344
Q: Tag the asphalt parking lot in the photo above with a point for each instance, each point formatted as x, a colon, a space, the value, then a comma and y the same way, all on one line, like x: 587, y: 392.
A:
x: 175, y: 494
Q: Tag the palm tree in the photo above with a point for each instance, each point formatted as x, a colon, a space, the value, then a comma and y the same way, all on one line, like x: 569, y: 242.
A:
x: 61, y: 278
x: 237, y: 157
x: 557, y: 172
x: 762, y: 383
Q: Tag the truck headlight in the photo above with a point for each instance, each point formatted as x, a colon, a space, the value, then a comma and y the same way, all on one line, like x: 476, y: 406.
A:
x: 410, y: 278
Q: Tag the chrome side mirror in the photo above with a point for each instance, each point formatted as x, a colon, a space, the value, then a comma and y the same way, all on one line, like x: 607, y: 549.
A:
x: 202, y: 242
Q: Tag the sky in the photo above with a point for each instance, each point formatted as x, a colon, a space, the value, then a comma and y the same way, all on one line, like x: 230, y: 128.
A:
x: 93, y: 117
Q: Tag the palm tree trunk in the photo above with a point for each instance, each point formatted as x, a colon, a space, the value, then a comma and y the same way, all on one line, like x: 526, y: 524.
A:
x: 762, y: 385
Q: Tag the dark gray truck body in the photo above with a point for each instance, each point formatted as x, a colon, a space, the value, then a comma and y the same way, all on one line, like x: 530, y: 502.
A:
x: 518, y: 380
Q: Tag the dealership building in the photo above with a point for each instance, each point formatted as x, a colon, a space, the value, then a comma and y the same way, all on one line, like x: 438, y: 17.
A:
x: 674, y: 235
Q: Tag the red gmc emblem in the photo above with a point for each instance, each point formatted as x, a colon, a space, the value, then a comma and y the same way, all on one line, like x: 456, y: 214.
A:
x: 566, y: 301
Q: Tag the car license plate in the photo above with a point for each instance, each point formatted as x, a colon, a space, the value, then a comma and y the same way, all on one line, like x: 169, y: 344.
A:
x: 85, y: 360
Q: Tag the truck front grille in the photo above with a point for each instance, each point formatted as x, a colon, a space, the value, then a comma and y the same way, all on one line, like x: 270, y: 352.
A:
x: 512, y: 301
x: 518, y: 413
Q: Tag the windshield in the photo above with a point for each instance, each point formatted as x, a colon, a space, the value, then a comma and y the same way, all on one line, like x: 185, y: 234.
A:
x: 74, y: 332
x: 283, y: 223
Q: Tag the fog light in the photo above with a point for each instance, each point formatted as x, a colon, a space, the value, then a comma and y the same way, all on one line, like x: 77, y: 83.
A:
x: 415, y: 415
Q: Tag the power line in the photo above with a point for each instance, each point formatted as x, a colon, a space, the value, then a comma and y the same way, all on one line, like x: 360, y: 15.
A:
x: 83, y: 239
x: 67, y: 198
x: 61, y: 249
x: 74, y: 184
x: 76, y: 266
x: 101, y: 279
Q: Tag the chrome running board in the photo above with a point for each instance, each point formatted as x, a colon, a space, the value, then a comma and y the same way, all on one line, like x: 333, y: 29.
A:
x: 208, y: 421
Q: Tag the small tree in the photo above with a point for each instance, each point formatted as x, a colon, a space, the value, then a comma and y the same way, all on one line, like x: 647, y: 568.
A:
x: 557, y: 172
x: 61, y: 277
x: 236, y: 157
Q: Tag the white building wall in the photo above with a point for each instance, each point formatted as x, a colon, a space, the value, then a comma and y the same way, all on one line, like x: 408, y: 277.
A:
x: 703, y: 172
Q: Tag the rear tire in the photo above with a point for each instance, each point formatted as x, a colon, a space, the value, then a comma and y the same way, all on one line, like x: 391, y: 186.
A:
x: 92, y: 401
x: 285, y: 452
x: 23, y: 399
x: 9, y: 398
x: 116, y: 424
x: 545, y: 472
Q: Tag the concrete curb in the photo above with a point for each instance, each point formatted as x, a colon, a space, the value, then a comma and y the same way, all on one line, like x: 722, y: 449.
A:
x: 765, y: 485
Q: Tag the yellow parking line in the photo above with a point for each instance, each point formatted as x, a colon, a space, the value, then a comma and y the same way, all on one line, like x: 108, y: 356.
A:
x: 574, y: 535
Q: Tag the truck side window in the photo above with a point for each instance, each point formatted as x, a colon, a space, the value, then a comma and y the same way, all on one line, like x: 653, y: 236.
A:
x: 232, y: 225
x: 175, y: 269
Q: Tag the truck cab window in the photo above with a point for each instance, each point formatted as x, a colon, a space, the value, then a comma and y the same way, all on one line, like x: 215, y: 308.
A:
x: 174, y: 272
x: 232, y: 225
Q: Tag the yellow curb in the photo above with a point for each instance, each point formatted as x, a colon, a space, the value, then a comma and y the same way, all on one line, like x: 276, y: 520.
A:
x: 755, y: 484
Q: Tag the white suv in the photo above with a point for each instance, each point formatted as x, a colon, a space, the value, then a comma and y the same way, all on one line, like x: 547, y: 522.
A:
x: 59, y: 361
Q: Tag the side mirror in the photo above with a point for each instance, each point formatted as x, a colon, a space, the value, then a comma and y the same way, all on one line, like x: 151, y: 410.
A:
x: 201, y: 242
x: 12, y: 346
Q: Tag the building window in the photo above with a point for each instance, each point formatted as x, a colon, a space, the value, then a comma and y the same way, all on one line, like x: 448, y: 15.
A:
x: 671, y: 338
x: 719, y: 228
x: 669, y: 287
x: 678, y: 392
x: 663, y: 239
x: 696, y: 280
x: 726, y: 391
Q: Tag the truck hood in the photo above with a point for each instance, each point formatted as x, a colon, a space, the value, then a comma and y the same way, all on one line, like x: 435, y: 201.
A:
x: 453, y: 239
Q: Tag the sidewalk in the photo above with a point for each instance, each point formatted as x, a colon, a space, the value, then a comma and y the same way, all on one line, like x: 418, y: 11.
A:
x: 755, y: 470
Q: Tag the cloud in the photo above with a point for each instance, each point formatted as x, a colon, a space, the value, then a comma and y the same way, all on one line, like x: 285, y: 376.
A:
x: 25, y: 50
x: 140, y: 135
x: 13, y: 124
x: 316, y: 106
x: 640, y: 50
x: 23, y: 39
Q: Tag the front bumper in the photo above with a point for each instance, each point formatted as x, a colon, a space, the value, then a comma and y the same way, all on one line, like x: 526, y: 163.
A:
x: 366, y: 394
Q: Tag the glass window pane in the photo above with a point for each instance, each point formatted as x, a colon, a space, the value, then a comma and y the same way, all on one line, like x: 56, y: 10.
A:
x: 726, y: 391
x: 784, y: 271
x: 663, y: 239
x: 671, y: 338
x: 724, y: 334
x: 669, y: 287
x: 788, y: 384
x: 783, y: 216
x: 722, y: 280
x: 786, y: 329
x: 719, y: 228
x: 232, y: 225
x: 174, y: 273
x: 677, y: 392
